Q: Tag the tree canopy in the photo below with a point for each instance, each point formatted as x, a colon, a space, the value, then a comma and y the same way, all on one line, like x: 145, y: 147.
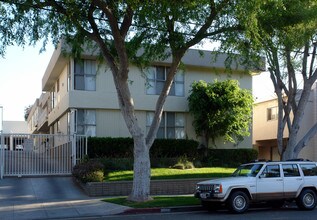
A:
x: 220, y: 109
x: 124, y: 32
x: 286, y: 35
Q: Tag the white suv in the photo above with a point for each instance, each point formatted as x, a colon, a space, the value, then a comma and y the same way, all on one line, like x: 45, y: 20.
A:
x: 273, y: 182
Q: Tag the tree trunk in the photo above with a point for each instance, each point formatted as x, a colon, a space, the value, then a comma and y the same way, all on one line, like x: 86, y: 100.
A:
x: 142, y: 171
x: 204, y: 139
x: 289, y: 152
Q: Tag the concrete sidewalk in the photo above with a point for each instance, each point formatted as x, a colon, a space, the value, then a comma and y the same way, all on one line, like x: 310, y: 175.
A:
x: 49, y: 198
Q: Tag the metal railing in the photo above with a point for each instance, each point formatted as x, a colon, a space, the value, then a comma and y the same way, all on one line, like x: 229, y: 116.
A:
x: 40, y: 154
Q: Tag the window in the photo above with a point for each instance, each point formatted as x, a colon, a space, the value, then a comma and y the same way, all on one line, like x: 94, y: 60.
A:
x: 272, y: 113
x: 156, y: 78
x: 86, y: 122
x: 85, y: 75
x: 53, y: 98
x: 248, y: 170
x: 172, y: 125
x: 309, y: 169
x: 271, y: 171
x: 57, y: 85
x: 58, y: 126
x: 290, y: 170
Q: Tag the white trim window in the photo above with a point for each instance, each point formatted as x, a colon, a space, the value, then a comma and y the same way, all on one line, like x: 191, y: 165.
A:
x: 85, y: 75
x: 172, y: 125
x: 86, y: 122
x: 156, y: 77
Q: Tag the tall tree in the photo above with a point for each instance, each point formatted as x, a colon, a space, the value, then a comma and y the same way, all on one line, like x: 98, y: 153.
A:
x: 119, y: 29
x: 286, y: 34
x: 220, y: 109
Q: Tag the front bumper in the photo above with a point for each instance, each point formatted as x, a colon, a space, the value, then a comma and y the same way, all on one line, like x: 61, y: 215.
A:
x: 209, y: 196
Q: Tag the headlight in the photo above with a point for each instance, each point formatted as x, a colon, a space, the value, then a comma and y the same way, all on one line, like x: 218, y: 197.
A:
x: 217, y: 188
x: 197, y: 187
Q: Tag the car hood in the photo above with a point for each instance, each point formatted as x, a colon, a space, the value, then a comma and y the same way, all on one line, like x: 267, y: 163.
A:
x: 236, y: 180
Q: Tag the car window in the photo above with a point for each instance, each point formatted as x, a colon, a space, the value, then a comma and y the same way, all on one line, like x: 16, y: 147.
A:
x: 309, y: 169
x: 271, y: 171
x: 248, y: 170
x: 290, y: 170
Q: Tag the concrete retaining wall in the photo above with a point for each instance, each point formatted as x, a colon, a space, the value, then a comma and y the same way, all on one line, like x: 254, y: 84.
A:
x: 158, y: 187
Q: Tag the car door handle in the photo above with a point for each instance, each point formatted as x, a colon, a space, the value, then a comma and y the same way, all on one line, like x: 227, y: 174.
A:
x: 279, y: 180
x: 299, y: 179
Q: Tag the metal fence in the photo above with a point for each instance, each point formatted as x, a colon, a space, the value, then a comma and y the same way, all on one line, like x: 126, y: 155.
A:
x: 40, y: 154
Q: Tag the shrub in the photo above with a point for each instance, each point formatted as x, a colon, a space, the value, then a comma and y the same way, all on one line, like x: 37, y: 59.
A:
x: 99, y: 147
x: 163, y: 162
x: 189, y: 165
x: 89, y: 171
x: 179, y: 166
x: 228, y: 157
x: 111, y: 164
x: 123, y: 148
x: 183, y: 163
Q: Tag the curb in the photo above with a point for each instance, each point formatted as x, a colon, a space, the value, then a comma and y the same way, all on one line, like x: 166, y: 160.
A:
x: 162, y: 210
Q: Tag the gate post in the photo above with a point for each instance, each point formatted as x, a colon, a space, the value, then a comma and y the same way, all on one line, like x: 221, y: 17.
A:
x: 74, y: 154
x: 2, y: 144
x: 2, y: 155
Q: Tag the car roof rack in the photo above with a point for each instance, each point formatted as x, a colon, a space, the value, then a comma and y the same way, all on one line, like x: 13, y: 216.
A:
x: 298, y: 159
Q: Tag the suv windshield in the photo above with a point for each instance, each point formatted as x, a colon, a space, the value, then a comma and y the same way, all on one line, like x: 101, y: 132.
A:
x: 248, y: 170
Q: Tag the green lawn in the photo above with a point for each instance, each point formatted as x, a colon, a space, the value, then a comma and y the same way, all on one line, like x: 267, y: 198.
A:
x: 158, y: 201
x: 169, y: 173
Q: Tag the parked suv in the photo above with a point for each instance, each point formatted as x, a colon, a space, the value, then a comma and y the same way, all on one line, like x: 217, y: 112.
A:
x: 271, y: 182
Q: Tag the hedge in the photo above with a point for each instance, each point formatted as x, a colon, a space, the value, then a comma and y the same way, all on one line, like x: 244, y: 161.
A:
x: 229, y: 157
x: 116, y: 151
x: 123, y: 148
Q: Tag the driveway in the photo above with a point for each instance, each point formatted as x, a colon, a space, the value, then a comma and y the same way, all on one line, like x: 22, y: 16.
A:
x: 49, y: 197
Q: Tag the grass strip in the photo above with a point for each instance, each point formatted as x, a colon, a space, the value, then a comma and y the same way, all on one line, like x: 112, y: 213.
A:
x: 158, y: 201
x: 169, y: 173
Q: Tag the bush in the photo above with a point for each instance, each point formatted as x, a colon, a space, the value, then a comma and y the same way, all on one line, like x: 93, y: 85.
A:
x: 179, y: 166
x: 112, y: 164
x: 184, y: 163
x: 99, y: 147
x: 123, y: 148
x: 89, y: 171
x: 117, y: 153
x: 163, y: 162
x: 228, y: 157
x: 174, y: 148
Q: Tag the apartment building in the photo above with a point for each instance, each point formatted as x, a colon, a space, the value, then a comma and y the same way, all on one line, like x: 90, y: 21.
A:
x: 80, y: 96
x: 265, y: 128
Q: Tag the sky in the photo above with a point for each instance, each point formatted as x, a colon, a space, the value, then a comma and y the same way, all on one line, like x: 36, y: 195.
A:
x: 22, y: 69
x: 21, y: 72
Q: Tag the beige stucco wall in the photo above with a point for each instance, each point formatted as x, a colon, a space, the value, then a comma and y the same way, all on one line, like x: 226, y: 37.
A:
x: 309, y: 119
x: 262, y: 128
x: 267, y: 130
x: 104, y: 100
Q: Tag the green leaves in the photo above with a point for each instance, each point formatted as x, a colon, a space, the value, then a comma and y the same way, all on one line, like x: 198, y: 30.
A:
x: 221, y: 109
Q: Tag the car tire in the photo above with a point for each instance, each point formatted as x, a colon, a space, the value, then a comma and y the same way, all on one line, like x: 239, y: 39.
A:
x: 238, y: 202
x: 307, y: 200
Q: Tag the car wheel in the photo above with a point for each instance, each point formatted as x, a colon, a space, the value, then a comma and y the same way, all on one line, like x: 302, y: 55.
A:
x: 238, y: 202
x: 307, y: 200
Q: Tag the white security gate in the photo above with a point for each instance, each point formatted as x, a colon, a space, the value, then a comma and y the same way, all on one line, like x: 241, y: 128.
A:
x: 40, y: 154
